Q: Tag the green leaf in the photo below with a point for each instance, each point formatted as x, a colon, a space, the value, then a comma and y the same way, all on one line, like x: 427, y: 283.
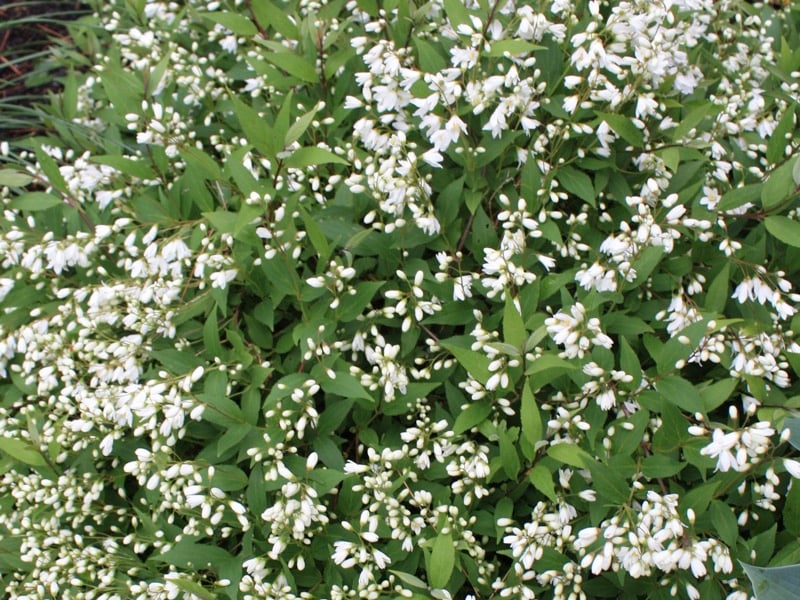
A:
x: 294, y: 65
x: 187, y: 554
x: 269, y: 15
x: 443, y: 560
x: 311, y: 155
x: 353, y: 305
x: 238, y: 24
x: 779, y: 185
x: 661, y: 465
x: 571, y: 455
x: 736, y: 197
x: 315, y: 235
x: 22, y: 451
x: 178, y: 362
x: 629, y: 362
x: 514, y: 47
x: 51, y: 170
x: 213, y: 347
x: 717, y: 393
x: 624, y: 128
x: 676, y: 350
x: 513, y: 325
x: 796, y: 171
x: 785, y: 229
x: 256, y: 129
x: 475, y: 414
x: 545, y: 369
x: 578, y: 183
x: 430, y: 61
x: 776, y: 145
x: 774, y: 583
x: 124, y: 90
x: 717, y: 295
x: 475, y: 363
x: 542, y: 480
x: 681, y: 393
x: 227, y: 477
x: 35, y: 201
x: 14, y: 178
x: 530, y: 417
x: 220, y: 409
x: 508, y: 454
x: 724, y: 522
x: 299, y: 127
x: 609, y: 483
x: 409, y: 579
x: 693, y: 118
x: 457, y: 13
x: 346, y: 386
x: 127, y: 166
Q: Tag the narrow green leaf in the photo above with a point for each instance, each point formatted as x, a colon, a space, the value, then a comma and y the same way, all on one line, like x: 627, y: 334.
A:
x: 693, y: 118
x: 299, y: 127
x: 22, y: 451
x: 409, y: 579
x: 126, y: 166
x: 238, y: 24
x: 315, y: 235
x: 514, y: 47
x: 571, y: 455
x: 35, y: 201
x: 269, y: 15
x: 785, y: 229
x: 457, y: 13
x: 294, y: 65
x: 779, y: 185
x: 213, y: 347
x: 623, y: 127
x: 717, y: 295
x: 508, y: 454
x: 736, y: 197
x: 776, y: 145
x: 430, y: 60
x: 346, y: 386
x: 530, y: 417
x: 542, y: 480
x: 256, y: 129
x: 513, y: 326
x: 443, y: 560
x: 124, y: 90
x: 311, y: 155
x: 14, y: 178
x: 629, y: 361
x: 476, y: 363
x: 474, y: 415
x: 51, y: 170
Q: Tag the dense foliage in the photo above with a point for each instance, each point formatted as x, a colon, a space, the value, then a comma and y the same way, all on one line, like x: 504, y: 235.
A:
x: 383, y: 298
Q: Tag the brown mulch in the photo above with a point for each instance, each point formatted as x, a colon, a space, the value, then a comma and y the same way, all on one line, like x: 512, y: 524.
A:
x: 33, y: 31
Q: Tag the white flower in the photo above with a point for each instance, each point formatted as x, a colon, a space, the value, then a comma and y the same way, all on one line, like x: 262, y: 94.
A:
x: 462, y: 287
x: 221, y: 279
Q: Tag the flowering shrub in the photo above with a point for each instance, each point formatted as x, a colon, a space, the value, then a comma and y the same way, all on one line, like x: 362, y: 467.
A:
x: 359, y: 299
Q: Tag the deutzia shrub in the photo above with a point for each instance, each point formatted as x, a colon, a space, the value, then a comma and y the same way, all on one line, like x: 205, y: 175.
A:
x: 402, y: 299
